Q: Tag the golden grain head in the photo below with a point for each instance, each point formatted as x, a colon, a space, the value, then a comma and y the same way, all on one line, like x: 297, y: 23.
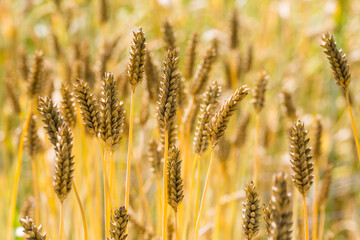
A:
x: 281, y: 208
x: 137, y: 59
x: 175, y: 182
x: 259, y: 91
x: 219, y: 122
x: 51, y: 118
x: 318, y: 129
x: 191, y: 56
x: 301, y: 160
x: 36, y: 75
x: 88, y: 105
x: 64, y: 166
x: 166, y: 109
x: 68, y: 109
x: 111, y: 112
x: 202, y: 72
x: 119, y: 222
x: 31, y: 230
x: 337, y: 60
x: 251, y: 212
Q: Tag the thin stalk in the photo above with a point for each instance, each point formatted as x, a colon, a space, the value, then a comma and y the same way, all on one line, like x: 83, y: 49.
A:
x: 81, y: 209
x: 256, y: 164
x: 315, y: 210
x: 295, y: 214
x: 128, y: 164
x: 112, y: 177
x: 353, y: 123
x: 164, y: 217
x: 197, y: 195
x: 98, y: 195
x: 322, y: 222
x: 306, y: 224
x: 18, y: 172
x: 36, y: 190
x: 108, y: 198
x: 197, y: 226
x: 61, y: 224
x: 188, y: 210
x: 159, y: 206
x: 176, y: 227
x: 106, y: 183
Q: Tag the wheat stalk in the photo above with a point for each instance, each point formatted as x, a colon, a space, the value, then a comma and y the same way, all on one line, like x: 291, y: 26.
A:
x: 301, y: 164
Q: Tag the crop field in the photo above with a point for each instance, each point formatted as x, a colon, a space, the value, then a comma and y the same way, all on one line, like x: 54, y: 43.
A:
x: 179, y: 119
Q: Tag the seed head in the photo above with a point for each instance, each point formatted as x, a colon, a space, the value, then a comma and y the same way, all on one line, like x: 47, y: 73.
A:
x: 317, y: 138
x: 36, y: 75
x: 168, y: 35
x: 111, y: 112
x: 208, y: 106
x: 137, y: 58
x: 33, y: 232
x: 51, y: 118
x: 234, y: 30
x: 175, y: 186
x: 64, y: 167
x: 202, y: 72
x: 166, y: 109
x: 281, y: 208
x: 337, y: 60
x: 219, y: 122
x: 259, y: 91
x: 32, y: 141
x: 191, y: 56
x: 118, y: 224
x: 251, y: 212
x: 68, y: 105
x: 152, y: 77
x: 301, y: 162
x: 88, y: 105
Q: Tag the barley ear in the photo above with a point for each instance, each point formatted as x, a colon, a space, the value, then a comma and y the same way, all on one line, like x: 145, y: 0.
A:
x: 267, y: 218
x: 68, y: 105
x: 318, y: 129
x: 175, y: 182
x: 64, y: 166
x: 51, y: 118
x: 88, y: 105
x: 301, y: 160
x: 36, y: 75
x: 251, y: 212
x: 326, y: 183
x: 27, y: 208
x: 208, y: 106
x: 168, y: 35
x: 259, y: 91
x: 219, y: 122
x: 111, y: 112
x: 191, y: 56
x: 288, y: 104
x: 152, y: 77
x: 32, y: 140
x: 33, y: 232
x: 166, y: 109
x: 337, y: 60
x: 118, y: 226
x: 202, y: 72
x: 137, y: 59
x: 155, y: 157
x: 234, y: 24
x: 281, y: 208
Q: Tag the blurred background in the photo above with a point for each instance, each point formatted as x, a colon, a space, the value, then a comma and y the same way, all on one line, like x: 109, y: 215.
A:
x: 281, y: 37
